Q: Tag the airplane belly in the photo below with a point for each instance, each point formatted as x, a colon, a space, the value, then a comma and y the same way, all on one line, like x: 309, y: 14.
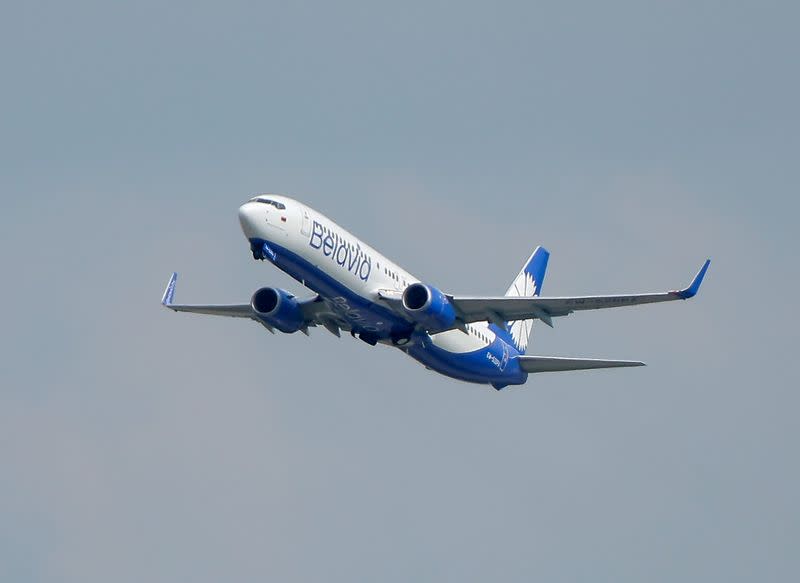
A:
x: 490, y: 364
x: 342, y: 293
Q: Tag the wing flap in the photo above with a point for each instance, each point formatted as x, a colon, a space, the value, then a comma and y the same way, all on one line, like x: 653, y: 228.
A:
x: 546, y: 308
x: 230, y: 310
x: 315, y: 310
x: 556, y: 363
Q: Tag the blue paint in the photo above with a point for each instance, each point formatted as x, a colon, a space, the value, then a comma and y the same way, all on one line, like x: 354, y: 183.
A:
x: 495, y: 364
x: 535, y: 267
x: 694, y: 287
x: 362, y: 314
x: 475, y: 367
x: 334, y: 246
x: 279, y: 309
x: 429, y: 307
x: 268, y: 252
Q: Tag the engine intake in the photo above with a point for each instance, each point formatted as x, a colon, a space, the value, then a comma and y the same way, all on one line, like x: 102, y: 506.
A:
x: 428, y: 307
x: 278, y: 308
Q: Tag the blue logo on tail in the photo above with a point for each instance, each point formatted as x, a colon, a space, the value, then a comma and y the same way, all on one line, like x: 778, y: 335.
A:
x: 527, y: 284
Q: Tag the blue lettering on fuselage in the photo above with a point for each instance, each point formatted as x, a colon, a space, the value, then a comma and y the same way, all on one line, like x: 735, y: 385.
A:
x: 343, y: 253
x: 354, y: 315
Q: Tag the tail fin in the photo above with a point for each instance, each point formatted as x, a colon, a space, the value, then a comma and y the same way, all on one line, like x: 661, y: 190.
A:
x: 528, y: 283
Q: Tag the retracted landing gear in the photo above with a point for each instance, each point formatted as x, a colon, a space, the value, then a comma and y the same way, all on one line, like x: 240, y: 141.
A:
x: 257, y: 247
x: 369, y: 337
x: 261, y: 250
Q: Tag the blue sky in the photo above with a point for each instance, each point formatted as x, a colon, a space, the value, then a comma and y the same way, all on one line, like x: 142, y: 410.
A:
x: 632, y: 139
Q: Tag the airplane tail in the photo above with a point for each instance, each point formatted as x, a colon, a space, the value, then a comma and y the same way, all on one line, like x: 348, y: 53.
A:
x: 528, y: 283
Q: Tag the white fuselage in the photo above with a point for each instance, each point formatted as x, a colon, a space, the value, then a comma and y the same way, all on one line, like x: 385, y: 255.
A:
x: 343, y: 257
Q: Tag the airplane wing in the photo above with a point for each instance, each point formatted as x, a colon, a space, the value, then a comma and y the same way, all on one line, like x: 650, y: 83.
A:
x: 315, y: 311
x: 508, y: 309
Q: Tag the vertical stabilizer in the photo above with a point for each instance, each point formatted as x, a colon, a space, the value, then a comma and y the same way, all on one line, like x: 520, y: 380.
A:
x: 528, y: 283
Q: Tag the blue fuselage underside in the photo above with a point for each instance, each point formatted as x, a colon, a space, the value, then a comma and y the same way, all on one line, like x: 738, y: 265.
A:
x: 495, y: 364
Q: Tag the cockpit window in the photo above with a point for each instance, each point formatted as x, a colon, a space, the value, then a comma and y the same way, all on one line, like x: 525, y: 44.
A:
x: 276, y: 204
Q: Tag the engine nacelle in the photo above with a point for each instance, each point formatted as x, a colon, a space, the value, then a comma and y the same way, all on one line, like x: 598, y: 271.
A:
x: 278, y: 308
x: 428, y: 307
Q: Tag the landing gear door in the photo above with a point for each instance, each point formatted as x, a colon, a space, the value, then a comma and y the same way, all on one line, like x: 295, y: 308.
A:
x: 305, y: 225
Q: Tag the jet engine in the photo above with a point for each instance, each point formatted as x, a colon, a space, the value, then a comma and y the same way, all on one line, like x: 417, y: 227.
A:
x: 428, y: 307
x: 278, y: 308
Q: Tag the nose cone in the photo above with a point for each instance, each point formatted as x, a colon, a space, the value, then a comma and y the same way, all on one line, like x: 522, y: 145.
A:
x: 247, y: 218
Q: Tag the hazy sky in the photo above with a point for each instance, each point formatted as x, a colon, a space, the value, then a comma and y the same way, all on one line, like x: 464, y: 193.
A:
x: 633, y: 139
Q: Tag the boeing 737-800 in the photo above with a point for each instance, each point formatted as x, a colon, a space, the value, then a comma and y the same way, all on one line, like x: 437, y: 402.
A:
x: 358, y: 290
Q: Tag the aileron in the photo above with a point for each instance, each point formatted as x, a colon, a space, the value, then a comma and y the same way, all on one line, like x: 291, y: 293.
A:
x: 545, y: 308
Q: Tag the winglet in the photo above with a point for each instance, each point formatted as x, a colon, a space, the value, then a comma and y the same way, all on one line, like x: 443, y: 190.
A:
x: 691, y: 291
x: 169, y: 293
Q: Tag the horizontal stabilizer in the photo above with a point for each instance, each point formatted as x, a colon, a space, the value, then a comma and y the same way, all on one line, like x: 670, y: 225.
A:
x: 556, y: 363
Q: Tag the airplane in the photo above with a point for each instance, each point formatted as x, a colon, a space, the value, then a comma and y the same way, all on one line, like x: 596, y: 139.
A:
x: 357, y: 290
